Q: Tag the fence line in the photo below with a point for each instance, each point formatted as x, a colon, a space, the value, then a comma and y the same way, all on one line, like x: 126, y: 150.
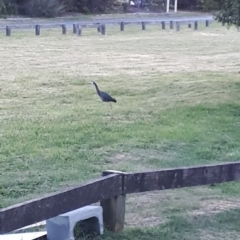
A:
x: 111, y: 190
x: 39, y: 209
x: 101, y: 26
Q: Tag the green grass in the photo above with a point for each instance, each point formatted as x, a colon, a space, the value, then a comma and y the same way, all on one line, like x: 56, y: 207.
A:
x: 221, y: 226
x: 178, y: 104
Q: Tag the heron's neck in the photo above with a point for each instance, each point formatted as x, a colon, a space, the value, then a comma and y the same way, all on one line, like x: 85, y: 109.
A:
x: 96, y: 86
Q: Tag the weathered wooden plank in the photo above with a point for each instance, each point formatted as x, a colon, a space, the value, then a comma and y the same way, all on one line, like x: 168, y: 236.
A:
x: 49, y: 206
x: 114, y: 213
x: 114, y: 208
x: 181, y: 177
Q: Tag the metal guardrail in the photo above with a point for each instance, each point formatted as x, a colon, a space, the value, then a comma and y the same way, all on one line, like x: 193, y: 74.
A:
x: 96, y: 24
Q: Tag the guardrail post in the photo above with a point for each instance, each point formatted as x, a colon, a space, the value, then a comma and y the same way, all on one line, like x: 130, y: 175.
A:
x: 207, y: 23
x: 177, y: 26
x: 74, y: 28
x: 37, y: 30
x: 103, y: 29
x: 143, y: 26
x: 122, y: 26
x: 171, y: 24
x: 98, y: 27
x: 163, y: 25
x: 8, y: 31
x: 64, y: 29
x: 79, y: 30
x: 189, y: 25
x: 114, y: 208
x: 195, y: 25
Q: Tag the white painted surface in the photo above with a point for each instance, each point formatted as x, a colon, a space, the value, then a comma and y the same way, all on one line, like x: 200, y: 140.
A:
x: 39, y: 224
x: 62, y: 226
x: 23, y: 236
x: 167, y: 7
x: 175, y: 5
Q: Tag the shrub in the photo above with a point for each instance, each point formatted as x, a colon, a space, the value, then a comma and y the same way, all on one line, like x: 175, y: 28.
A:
x: 94, y: 6
x: 210, y: 5
x: 125, y: 7
x: 43, y: 8
x: 188, y: 4
x: 8, y: 7
x: 158, y: 5
x: 229, y: 13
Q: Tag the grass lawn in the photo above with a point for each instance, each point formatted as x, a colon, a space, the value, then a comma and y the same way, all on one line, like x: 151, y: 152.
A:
x: 178, y: 104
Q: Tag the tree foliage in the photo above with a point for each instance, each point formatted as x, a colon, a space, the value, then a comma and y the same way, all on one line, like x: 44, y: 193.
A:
x: 209, y: 5
x: 43, y: 8
x: 8, y: 7
x: 188, y: 4
x: 92, y: 6
x: 52, y: 8
x: 229, y: 12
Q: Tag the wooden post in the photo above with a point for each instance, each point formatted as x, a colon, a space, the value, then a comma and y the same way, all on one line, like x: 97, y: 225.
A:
x: 74, y: 28
x: 143, y: 26
x: 8, y: 31
x: 79, y: 30
x: 207, y: 23
x: 195, y: 25
x: 99, y: 28
x: 37, y: 30
x: 171, y: 24
x: 163, y: 25
x: 64, y: 29
x: 189, y: 25
x: 177, y: 26
x: 114, y: 208
x: 103, y: 29
x: 122, y: 26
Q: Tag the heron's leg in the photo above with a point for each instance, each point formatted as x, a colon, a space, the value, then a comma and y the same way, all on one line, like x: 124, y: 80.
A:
x: 110, y: 104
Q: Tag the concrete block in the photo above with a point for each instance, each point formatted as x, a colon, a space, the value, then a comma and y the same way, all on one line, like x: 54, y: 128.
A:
x: 87, y: 220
